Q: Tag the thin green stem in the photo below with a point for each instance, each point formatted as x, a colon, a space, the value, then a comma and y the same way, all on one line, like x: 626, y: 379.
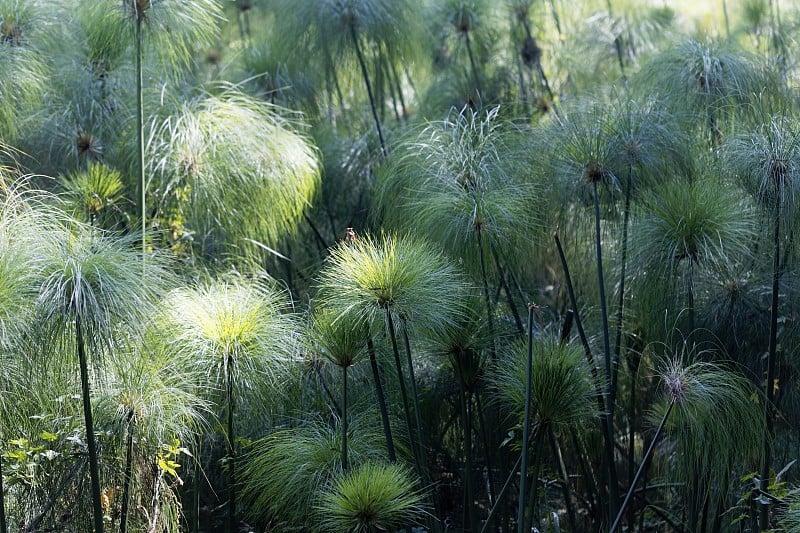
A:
x: 231, y: 525
x: 140, y: 132
x: 3, y: 527
x: 469, y: 496
x: 487, y: 447
x: 344, y: 417
x: 641, y: 467
x: 484, y: 277
x: 423, y: 454
x: 523, y: 471
x: 562, y: 468
x: 94, y: 469
x: 376, y: 378
x: 403, y: 392
x: 365, y: 74
x: 473, y: 65
x: 771, y: 362
x: 533, y: 497
x: 497, y: 504
x: 613, y: 500
x: 127, y: 476
x: 621, y: 302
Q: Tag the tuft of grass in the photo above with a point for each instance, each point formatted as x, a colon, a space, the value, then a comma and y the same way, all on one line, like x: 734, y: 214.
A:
x: 407, y: 278
x: 284, y: 472
x: 563, y: 390
x: 373, y: 497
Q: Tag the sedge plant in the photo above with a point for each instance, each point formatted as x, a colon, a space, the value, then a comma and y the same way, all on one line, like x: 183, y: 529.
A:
x: 174, y: 29
x: 284, y: 472
x: 338, y: 31
x: 768, y: 163
x: 559, y: 388
x: 151, y: 399
x: 343, y: 344
x: 388, y: 284
x: 237, y: 334
x: 92, y: 286
x: 250, y: 172
x: 371, y: 498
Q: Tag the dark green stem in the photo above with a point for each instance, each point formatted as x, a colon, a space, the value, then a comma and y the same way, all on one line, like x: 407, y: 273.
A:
x: 3, y: 527
x: 469, y: 496
x: 604, y: 427
x: 727, y: 23
x: 423, y: 454
x: 487, y: 447
x: 562, y: 468
x: 231, y: 525
x: 621, y: 302
x: 472, y: 64
x: 127, y: 476
x: 771, y: 361
x: 344, y: 417
x: 509, y: 298
x: 403, y: 393
x: 365, y: 74
x: 140, y: 131
x: 94, y: 469
x: 613, y: 500
x: 501, y: 496
x: 376, y: 378
x: 523, y: 471
x: 641, y: 467
x: 533, y: 497
x: 489, y: 312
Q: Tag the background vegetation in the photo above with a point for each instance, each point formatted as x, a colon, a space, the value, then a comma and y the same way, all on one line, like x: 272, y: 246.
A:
x: 386, y: 265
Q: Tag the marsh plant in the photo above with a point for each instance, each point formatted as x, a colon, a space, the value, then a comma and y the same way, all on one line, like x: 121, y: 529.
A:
x: 237, y: 333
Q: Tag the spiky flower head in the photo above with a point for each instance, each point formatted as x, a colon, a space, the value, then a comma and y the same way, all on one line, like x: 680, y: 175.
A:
x: 367, y: 279
x: 250, y: 171
x: 767, y: 161
x: 284, y: 472
x: 92, y: 190
x: 562, y: 386
x: 235, y: 329
x: 460, y: 177
x: 704, y: 222
x: 175, y: 28
x: 711, y: 403
x: 97, y: 278
x: 337, y: 338
x: 372, y: 497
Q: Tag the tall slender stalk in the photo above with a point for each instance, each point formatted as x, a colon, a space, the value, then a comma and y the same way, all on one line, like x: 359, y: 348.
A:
x: 344, y: 417
x: 533, y: 497
x: 613, y: 500
x: 489, y: 312
x: 423, y: 454
x: 771, y: 360
x: 3, y: 528
x: 473, y: 65
x: 231, y: 524
x: 365, y: 74
x: 607, y: 431
x: 94, y: 470
x: 621, y: 303
x: 403, y: 392
x: 469, y: 496
x: 140, y: 125
x: 127, y: 476
x: 376, y: 378
x: 523, y: 471
x: 641, y: 467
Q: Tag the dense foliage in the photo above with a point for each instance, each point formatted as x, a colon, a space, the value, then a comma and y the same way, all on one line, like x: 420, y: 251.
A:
x: 383, y: 265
